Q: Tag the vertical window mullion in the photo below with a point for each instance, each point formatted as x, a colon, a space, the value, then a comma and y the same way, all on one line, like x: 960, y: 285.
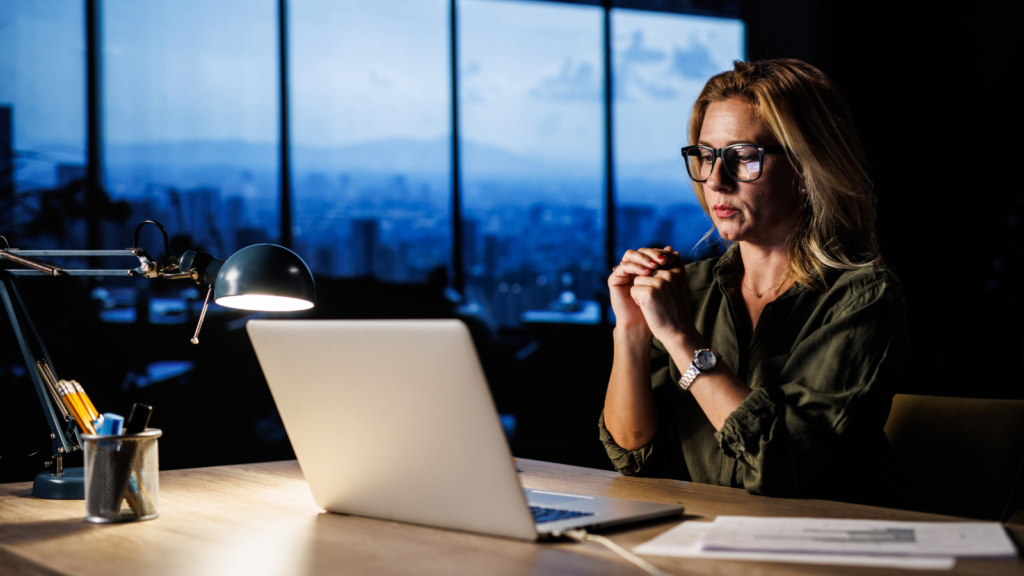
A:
x: 285, y: 200
x: 94, y: 135
x: 459, y: 280
x: 609, y: 191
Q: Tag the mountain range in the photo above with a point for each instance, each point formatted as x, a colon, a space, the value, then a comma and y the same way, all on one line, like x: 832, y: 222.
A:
x: 427, y: 158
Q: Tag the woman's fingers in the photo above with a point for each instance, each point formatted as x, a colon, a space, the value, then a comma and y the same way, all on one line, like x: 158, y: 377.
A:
x: 650, y: 258
x: 641, y: 258
x: 644, y: 262
x: 627, y: 271
x: 657, y: 255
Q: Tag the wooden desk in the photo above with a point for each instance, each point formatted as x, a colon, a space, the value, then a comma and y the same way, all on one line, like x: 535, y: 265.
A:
x: 260, y: 519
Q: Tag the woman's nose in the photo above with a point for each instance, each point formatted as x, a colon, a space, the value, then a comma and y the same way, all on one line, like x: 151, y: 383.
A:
x: 719, y: 179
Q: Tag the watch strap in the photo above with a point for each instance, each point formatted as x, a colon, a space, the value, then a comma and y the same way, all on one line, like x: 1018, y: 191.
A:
x: 693, y: 371
x: 689, y: 376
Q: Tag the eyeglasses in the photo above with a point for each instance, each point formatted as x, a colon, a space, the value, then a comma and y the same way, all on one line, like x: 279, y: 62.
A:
x: 742, y: 162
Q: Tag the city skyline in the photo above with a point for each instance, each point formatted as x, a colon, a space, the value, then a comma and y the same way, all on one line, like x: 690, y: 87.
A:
x: 191, y: 128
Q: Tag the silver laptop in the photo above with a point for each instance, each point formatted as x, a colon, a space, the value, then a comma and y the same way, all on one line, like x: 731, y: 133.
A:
x: 393, y: 419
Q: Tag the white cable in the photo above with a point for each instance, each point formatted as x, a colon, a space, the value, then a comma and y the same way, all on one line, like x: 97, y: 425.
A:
x: 581, y: 535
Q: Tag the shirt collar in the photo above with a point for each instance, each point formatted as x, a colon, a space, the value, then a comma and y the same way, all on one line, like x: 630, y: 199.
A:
x: 730, y: 266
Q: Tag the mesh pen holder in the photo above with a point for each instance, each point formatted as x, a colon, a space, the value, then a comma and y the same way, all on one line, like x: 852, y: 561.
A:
x: 122, y: 477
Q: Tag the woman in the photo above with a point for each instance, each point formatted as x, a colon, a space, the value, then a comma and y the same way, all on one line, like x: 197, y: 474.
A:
x: 773, y: 367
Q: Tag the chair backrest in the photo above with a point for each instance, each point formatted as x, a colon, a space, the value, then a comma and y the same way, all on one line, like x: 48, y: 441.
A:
x: 964, y: 455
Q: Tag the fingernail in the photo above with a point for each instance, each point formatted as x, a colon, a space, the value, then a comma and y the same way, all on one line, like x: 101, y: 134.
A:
x: 661, y: 257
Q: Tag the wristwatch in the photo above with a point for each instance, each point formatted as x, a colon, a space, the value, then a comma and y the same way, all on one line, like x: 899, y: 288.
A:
x: 704, y: 360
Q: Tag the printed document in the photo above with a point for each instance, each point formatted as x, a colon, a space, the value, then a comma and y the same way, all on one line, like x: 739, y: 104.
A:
x: 868, y: 537
x: 685, y: 541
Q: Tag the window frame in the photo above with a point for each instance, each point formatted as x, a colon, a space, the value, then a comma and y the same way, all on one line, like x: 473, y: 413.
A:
x: 94, y: 135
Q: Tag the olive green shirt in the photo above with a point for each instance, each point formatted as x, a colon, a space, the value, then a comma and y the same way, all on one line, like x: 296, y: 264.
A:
x: 823, y: 367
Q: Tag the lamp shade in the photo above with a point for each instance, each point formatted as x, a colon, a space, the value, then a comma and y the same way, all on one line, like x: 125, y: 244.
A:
x: 265, y: 277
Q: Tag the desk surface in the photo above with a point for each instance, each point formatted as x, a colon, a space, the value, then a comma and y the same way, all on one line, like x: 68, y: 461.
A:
x: 260, y: 519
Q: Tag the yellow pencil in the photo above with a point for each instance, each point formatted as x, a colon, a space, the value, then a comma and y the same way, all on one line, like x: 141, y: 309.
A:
x: 93, y: 413
x: 75, y: 407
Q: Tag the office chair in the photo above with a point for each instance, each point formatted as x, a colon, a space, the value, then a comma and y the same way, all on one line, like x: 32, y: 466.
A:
x: 964, y: 455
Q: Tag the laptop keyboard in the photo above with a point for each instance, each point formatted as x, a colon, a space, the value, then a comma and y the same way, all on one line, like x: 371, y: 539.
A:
x: 541, y: 515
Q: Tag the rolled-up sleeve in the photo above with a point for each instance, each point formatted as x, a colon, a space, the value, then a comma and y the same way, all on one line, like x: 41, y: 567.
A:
x: 661, y: 457
x: 815, y: 427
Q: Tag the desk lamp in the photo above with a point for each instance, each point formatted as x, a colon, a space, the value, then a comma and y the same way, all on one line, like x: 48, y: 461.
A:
x: 262, y: 277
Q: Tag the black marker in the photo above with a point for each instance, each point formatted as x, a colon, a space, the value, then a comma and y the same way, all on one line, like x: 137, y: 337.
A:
x: 138, y: 419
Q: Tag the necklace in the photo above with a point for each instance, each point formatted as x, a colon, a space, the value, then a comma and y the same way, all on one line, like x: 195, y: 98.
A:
x: 777, y: 287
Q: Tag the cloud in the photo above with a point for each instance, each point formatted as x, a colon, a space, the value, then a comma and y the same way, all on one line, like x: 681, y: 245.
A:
x: 637, y: 53
x: 477, y: 85
x: 633, y: 69
x: 572, y: 83
x: 656, y: 90
x: 694, y: 63
x: 381, y: 78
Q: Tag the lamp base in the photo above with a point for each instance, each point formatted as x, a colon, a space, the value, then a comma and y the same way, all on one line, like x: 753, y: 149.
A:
x: 70, y: 485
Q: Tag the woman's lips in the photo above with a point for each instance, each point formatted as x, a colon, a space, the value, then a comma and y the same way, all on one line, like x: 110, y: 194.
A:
x: 723, y: 211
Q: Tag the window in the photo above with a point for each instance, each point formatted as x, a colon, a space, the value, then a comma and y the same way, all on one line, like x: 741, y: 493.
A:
x: 531, y: 96
x: 371, y: 136
x: 191, y: 132
x: 190, y: 127
x: 190, y: 108
x: 42, y: 122
x: 660, y: 64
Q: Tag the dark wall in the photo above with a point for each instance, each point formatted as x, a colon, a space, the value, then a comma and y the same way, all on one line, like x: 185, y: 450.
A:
x: 934, y: 95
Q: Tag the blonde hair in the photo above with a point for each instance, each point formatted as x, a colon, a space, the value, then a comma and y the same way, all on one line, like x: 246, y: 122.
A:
x: 804, y: 111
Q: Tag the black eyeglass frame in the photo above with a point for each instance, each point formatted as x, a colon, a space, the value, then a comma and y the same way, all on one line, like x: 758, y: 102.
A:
x: 716, y: 153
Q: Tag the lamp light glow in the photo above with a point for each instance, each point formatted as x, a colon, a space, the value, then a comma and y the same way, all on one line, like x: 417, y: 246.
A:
x: 265, y: 277
x: 264, y: 302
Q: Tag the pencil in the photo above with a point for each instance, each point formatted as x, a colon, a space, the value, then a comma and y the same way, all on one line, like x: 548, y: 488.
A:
x: 76, y: 407
x: 93, y: 413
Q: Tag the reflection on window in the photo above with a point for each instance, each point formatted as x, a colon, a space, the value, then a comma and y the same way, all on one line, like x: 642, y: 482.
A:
x: 660, y: 63
x: 42, y: 122
x: 371, y: 136
x: 531, y: 98
x: 191, y: 118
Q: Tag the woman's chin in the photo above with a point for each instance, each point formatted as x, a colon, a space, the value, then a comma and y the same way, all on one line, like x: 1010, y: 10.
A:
x: 729, y: 233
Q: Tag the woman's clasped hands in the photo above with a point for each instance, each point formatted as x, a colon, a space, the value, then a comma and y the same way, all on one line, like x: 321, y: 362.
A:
x: 650, y: 292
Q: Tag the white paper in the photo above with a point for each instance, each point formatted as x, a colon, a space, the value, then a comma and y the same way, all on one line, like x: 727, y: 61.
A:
x: 828, y: 536
x: 685, y: 541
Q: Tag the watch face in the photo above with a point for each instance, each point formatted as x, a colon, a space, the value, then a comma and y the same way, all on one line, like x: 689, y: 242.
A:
x: 705, y: 360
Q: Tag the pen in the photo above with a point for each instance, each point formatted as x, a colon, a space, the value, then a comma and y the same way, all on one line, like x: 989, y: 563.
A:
x: 138, y: 419
x: 134, y: 491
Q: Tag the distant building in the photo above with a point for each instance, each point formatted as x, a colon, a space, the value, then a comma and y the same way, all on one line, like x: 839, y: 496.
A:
x: 6, y: 152
x: 363, y: 245
x: 249, y: 236
x: 470, y: 233
x: 634, y: 226
x: 323, y: 260
x: 201, y: 207
x: 232, y: 219
x: 491, y: 253
x: 68, y: 173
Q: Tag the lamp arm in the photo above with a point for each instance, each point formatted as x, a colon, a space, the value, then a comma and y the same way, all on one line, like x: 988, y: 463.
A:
x: 31, y: 262
x: 200, y: 266
x: 37, y: 360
